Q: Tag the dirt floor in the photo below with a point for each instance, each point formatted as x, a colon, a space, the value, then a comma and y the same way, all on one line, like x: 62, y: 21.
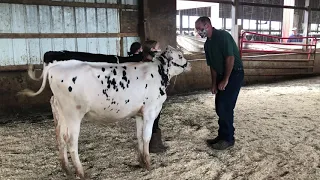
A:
x: 277, y: 137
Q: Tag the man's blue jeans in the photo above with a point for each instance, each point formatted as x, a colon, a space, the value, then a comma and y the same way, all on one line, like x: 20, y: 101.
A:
x: 225, y: 102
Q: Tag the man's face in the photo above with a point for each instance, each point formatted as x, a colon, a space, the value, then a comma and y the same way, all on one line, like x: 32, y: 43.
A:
x: 202, y: 29
x: 294, y: 32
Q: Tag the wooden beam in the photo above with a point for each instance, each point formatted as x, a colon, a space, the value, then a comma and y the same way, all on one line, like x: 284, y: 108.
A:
x: 70, y: 4
x: 258, y: 4
x: 280, y: 74
x: 65, y: 35
x: 18, y: 67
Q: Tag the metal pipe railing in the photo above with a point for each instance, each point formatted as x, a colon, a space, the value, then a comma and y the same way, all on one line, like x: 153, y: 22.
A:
x: 313, y: 44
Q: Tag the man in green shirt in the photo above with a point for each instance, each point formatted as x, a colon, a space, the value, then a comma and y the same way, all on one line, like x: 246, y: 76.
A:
x: 227, y: 75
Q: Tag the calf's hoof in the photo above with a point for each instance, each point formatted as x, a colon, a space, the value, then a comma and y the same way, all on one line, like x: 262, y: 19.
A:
x: 147, y: 162
x: 141, y: 161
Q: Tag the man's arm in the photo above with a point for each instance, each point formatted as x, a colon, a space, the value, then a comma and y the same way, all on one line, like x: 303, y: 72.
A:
x: 229, y: 61
x: 213, y: 76
x: 228, y: 67
x: 213, y: 80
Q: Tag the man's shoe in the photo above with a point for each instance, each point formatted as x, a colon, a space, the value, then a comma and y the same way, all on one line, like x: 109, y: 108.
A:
x: 222, y: 145
x: 213, y: 141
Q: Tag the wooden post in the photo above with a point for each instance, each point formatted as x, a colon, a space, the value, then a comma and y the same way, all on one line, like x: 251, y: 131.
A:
x: 287, y: 19
x: 181, y: 24
x: 306, y: 23
x: 121, y: 38
x: 141, y: 22
x: 235, y: 15
x: 306, y: 19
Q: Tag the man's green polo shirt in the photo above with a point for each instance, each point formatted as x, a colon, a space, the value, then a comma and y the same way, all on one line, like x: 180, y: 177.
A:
x: 218, y: 47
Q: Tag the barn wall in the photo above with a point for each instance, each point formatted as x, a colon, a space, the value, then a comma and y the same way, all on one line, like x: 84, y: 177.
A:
x: 23, y: 23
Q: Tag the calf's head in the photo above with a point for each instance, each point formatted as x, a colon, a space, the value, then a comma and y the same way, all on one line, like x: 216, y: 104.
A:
x: 176, y: 62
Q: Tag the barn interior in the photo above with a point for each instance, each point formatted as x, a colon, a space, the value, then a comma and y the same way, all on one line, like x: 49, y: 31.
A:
x: 277, y: 125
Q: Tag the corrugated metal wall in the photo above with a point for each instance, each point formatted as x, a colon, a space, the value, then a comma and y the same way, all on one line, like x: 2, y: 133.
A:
x: 44, y: 19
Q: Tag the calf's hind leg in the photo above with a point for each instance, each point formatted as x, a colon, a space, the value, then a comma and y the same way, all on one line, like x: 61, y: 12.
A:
x: 61, y: 135
x: 73, y: 124
x: 139, y: 124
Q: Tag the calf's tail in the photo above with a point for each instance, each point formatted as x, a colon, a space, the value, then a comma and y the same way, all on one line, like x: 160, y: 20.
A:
x: 28, y: 92
x: 32, y: 73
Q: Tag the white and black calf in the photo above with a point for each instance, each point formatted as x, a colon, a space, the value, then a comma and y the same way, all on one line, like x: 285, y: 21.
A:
x: 108, y: 92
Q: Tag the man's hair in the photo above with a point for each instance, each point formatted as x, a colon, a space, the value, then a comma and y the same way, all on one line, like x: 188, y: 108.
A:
x: 203, y: 20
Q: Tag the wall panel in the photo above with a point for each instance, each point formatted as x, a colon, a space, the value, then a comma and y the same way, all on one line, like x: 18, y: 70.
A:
x: 21, y: 22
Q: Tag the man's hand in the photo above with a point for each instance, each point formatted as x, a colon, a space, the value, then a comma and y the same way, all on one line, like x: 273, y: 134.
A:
x: 223, y: 84
x: 214, y: 89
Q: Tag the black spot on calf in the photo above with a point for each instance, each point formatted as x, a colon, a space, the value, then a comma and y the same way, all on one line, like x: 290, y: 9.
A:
x: 152, y: 75
x: 128, y: 83
x: 127, y: 101
x: 61, y: 80
x: 114, y: 72
x: 103, y: 69
x: 137, y: 78
x: 124, y: 67
x: 135, y: 67
x: 113, y: 82
x: 101, y: 82
x: 98, y: 76
x: 70, y: 88
x: 146, y: 86
x: 161, y: 92
x: 74, y: 80
x: 164, y: 76
x: 51, y: 76
x: 122, y: 85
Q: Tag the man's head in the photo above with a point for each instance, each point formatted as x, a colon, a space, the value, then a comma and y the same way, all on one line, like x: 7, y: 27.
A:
x: 203, y: 26
x: 294, y: 31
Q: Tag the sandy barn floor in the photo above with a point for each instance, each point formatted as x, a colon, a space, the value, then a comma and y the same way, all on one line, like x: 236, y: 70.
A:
x: 277, y: 137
